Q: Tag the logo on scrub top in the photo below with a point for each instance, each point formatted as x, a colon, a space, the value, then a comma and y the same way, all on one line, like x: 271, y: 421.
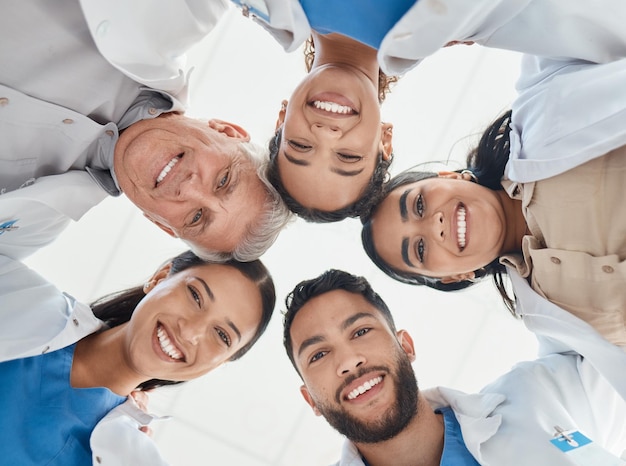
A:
x: 9, y: 225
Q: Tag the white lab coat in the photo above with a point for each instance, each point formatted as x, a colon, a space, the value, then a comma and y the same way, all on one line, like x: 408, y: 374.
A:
x: 567, y: 113
x: 591, y: 30
x: 511, y: 421
x: 37, y: 318
x: 147, y: 40
x: 43, y: 210
x: 53, y: 116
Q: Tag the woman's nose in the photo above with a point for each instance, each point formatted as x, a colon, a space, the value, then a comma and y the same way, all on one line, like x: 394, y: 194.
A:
x: 438, y: 226
x: 320, y: 129
x: 192, y: 329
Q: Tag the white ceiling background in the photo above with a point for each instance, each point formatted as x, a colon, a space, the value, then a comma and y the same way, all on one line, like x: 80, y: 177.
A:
x: 250, y: 412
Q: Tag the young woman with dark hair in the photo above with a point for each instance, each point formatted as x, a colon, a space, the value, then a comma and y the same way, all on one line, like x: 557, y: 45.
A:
x: 541, y: 199
x: 68, y: 368
x: 330, y: 154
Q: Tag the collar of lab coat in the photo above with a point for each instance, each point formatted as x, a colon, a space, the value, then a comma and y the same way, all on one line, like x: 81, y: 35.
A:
x: 288, y: 23
x: 474, y: 413
x: 559, y: 331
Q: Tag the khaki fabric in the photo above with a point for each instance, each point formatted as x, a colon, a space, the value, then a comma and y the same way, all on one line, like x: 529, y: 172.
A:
x: 575, y: 254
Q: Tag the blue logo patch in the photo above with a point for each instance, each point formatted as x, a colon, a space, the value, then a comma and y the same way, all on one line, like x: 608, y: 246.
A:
x: 9, y: 225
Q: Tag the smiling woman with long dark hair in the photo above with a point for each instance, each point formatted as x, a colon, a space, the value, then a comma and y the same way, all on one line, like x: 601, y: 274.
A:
x: 66, y: 365
x: 541, y: 198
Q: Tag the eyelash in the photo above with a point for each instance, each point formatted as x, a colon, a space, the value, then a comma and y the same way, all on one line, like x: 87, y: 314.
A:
x: 223, y: 335
x: 420, y: 250
x: 196, y: 218
x: 195, y: 295
x: 349, y: 158
x: 224, y: 181
x: 419, y: 205
x: 317, y: 356
x: 297, y: 145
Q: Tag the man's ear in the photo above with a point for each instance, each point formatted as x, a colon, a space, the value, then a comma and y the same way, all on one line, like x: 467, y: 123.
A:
x: 163, y: 227
x: 459, y: 277
x: 281, y: 114
x: 309, y: 399
x: 406, y: 342
x: 231, y: 130
x: 386, y: 138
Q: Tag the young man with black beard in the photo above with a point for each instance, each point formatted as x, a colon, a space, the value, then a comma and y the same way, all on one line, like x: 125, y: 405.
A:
x: 357, y: 373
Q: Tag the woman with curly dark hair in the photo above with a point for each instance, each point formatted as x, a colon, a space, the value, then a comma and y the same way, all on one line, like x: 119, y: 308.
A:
x: 330, y: 154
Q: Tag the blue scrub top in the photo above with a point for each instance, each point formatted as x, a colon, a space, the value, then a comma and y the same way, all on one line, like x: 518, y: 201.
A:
x: 43, y: 419
x: 455, y: 453
x: 367, y: 21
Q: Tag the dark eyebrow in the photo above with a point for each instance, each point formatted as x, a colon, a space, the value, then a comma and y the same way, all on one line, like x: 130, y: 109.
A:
x: 309, y: 342
x: 405, y: 252
x: 306, y: 163
x: 295, y: 161
x: 352, y: 319
x: 234, y: 327
x: 207, y: 289
x: 403, y: 207
x: 344, y: 325
x: 341, y: 172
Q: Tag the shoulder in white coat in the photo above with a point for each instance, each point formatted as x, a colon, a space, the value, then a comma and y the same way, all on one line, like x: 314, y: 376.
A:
x: 36, y: 214
x: 147, y: 40
x: 550, y: 131
x: 37, y: 317
x: 285, y: 20
x: 591, y: 31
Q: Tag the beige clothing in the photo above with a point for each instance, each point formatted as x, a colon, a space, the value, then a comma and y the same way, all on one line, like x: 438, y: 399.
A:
x: 575, y: 254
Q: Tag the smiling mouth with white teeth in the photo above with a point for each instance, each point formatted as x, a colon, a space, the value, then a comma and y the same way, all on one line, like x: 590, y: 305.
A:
x: 168, y: 167
x: 333, y: 107
x: 461, y: 225
x: 166, y: 344
x: 364, y: 388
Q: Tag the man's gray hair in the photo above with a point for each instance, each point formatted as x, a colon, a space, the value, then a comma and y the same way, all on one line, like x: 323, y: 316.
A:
x: 266, y: 229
